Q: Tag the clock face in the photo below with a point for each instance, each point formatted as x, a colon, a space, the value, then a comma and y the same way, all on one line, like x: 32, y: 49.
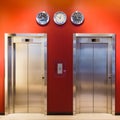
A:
x: 77, y: 18
x: 42, y: 18
x: 60, y: 18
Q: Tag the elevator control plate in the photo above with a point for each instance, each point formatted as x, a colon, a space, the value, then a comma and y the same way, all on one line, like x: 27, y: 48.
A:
x: 59, y: 68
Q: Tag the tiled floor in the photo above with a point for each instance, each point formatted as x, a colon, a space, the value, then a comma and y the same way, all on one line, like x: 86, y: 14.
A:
x: 58, y: 117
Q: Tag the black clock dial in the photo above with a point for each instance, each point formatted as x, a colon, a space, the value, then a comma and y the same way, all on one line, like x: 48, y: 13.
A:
x: 77, y: 18
x: 42, y: 18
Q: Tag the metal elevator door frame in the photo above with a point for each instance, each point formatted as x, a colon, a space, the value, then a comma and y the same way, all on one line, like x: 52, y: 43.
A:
x: 28, y: 45
x: 108, y: 39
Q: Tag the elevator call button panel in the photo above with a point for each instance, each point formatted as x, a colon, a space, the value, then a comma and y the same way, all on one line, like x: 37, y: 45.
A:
x: 60, y: 68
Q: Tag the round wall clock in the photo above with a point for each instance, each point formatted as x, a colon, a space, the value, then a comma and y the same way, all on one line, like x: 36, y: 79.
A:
x: 60, y: 18
x: 77, y: 18
x: 42, y: 18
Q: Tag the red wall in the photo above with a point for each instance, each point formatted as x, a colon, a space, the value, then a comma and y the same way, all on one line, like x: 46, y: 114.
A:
x: 18, y: 16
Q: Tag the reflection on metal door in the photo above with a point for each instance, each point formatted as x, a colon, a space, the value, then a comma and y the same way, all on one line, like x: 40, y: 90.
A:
x: 26, y: 73
x: 93, y: 84
x: 92, y: 75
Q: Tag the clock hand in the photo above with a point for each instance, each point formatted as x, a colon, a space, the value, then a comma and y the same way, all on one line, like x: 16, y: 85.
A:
x: 59, y: 17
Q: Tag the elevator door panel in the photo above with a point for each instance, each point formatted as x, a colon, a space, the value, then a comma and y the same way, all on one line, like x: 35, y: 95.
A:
x: 20, y: 78
x: 92, y: 78
x: 28, y: 78
x: 84, y: 100
x: 35, y: 73
x: 100, y: 77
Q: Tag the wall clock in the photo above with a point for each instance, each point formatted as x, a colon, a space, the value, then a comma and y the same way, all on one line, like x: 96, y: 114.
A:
x: 77, y: 18
x: 60, y: 18
x: 42, y: 18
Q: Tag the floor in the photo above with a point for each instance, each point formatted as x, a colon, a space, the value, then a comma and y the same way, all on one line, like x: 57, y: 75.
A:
x: 90, y: 116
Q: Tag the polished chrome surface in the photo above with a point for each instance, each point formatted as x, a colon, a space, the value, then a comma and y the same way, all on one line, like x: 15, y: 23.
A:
x: 94, y: 73
x: 25, y: 73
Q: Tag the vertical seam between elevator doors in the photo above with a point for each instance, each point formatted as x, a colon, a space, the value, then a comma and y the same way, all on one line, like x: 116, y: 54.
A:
x: 93, y: 76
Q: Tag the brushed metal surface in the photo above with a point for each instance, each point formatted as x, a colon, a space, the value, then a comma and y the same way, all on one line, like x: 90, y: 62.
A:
x: 20, y: 78
x: 35, y: 74
x: 25, y: 73
x: 94, y: 73
x: 100, y: 71
x: 84, y: 78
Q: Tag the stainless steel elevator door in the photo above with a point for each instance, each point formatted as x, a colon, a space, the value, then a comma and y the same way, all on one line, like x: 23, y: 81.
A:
x: 36, y: 80
x: 28, y: 75
x: 100, y: 73
x: 20, y: 78
x: 91, y: 77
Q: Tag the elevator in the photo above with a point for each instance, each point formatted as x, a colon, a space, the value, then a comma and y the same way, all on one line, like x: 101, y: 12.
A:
x: 25, y: 73
x: 94, y: 73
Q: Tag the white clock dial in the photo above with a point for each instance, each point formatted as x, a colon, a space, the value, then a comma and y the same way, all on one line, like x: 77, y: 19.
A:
x: 60, y: 18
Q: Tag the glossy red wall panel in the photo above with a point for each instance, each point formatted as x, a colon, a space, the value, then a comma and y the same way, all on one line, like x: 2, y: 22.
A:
x: 19, y: 17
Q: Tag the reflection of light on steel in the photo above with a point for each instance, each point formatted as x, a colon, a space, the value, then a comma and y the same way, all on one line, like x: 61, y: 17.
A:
x: 25, y: 73
x: 94, y: 69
